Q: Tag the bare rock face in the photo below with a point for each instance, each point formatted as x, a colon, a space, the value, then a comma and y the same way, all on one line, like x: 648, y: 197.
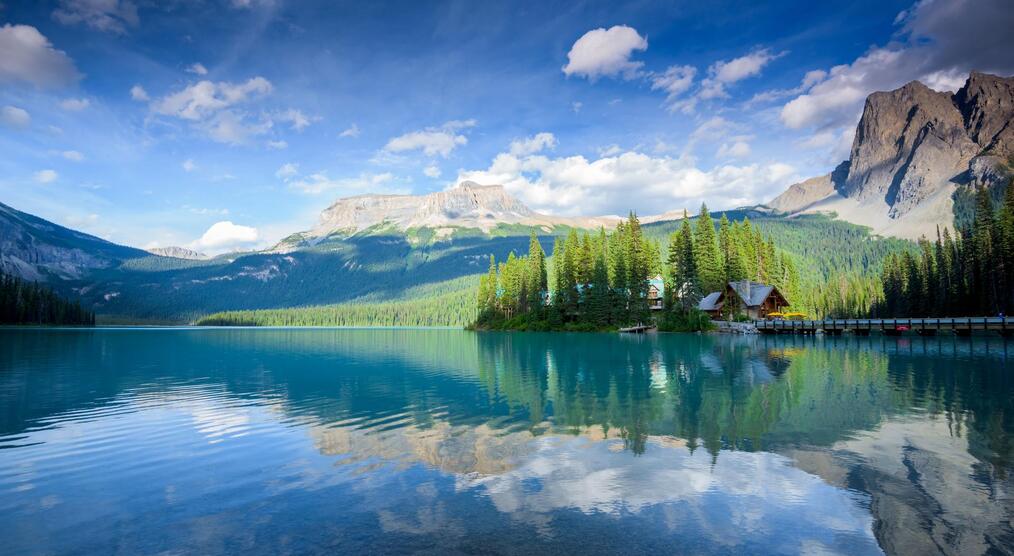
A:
x: 178, y: 253
x: 38, y: 250
x: 914, y: 148
x: 910, y: 143
x: 987, y: 106
x: 802, y: 195
x: 467, y: 205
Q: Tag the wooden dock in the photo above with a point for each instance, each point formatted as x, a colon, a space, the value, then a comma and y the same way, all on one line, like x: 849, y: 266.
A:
x: 963, y: 326
x: 639, y: 329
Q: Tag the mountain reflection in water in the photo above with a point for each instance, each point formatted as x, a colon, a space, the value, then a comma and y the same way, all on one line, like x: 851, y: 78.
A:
x: 280, y: 440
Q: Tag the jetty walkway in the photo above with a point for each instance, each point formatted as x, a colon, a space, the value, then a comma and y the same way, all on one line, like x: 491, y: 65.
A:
x: 963, y: 326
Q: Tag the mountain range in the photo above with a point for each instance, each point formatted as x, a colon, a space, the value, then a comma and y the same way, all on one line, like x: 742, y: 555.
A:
x: 916, y: 156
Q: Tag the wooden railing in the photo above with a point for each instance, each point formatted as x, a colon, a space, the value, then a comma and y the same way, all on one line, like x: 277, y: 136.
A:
x: 1004, y: 325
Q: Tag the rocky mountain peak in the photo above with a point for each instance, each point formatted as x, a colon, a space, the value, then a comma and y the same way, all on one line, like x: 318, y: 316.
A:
x: 913, y: 149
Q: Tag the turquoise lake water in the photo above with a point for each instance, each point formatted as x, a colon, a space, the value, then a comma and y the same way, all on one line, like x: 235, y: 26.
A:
x: 307, y: 441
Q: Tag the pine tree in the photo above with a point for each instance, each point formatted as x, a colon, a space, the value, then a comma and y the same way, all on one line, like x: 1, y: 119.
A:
x: 707, y: 256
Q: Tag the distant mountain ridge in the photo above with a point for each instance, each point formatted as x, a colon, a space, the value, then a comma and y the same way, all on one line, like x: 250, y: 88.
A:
x: 36, y: 249
x: 915, y: 151
x: 468, y: 205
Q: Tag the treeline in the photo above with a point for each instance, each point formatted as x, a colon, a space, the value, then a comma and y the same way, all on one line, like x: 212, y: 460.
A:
x: 601, y: 281
x: 968, y: 275
x: 451, y: 309
x: 23, y: 302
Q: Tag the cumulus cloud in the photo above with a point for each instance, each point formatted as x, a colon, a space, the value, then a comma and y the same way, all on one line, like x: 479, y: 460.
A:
x: 295, y: 118
x: 197, y: 68
x: 938, y: 43
x: 213, y: 108
x: 287, y: 170
x: 29, y: 57
x: 533, y: 144
x: 431, y: 171
x: 432, y: 141
x: 226, y: 235
x: 351, y: 131
x: 46, y: 176
x: 277, y: 145
x: 677, y: 80
x: 606, y: 53
x: 204, y: 98
x: 14, y: 117
x: 579, y: 186
x: 138, y: 93
x: 73, y: 155
x: 189, y: 165
x: 320, y: 182
x: 110, y: 16
x: 74, y: 104
x: 576, y: 106
x: 735, y: 149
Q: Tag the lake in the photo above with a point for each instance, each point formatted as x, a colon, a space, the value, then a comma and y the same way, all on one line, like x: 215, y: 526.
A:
x: 305, y: 441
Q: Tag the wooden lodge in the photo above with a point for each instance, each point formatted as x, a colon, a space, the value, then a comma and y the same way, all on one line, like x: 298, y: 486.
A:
x: 754, y: 299
x: 656, y: 293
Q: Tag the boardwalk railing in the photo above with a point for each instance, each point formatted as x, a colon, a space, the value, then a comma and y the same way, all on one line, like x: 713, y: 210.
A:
x: 963, y: 325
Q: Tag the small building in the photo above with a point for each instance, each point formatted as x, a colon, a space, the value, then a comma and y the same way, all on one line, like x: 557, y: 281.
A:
x: 656, y: 293
x: 754, y: 299
x: 712, y: 304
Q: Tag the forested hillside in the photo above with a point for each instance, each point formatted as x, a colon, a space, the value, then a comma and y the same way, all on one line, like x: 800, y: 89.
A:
x: 968, y: 275
x: 23, y: 302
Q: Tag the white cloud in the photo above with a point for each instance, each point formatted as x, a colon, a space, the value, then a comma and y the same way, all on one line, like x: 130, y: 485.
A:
x: 432, y: 171
x: 319, y: 182
x: 138, y: 93
x: 205, y: 98
x: 110, y: 16
x: 432, y: 141
x: 533, y: 144
x: 46, y: 176
x: 287, y: 171
x: 197, y: 68
x: 14, y: 117
x: 576, y: 106
x: 606, y: 53
x: 727, y: 72
x: 736, y: 149
x: 675, y: 81
x: 28, y: 56
x: 938, y: 43
x: 189, y: 165
x: 74, y: 104
x: 721, y: 74
x: 611, y: 150
x: 234, y: 128
x: 73, y: 155
x: 579, y: 186
x: 295, y: 118
x: 277, y: 145
x: 226, y: 235
x: 740, y: 68
x: 215, y: 109
x: 351, y: 131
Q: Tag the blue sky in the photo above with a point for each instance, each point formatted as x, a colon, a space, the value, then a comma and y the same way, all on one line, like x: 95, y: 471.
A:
x: 222, y: 124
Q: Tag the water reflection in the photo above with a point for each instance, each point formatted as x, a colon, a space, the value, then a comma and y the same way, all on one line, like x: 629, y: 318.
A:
x: 442, y: 438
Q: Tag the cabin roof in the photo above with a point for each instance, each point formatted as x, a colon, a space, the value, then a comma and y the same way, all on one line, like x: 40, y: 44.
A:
x: 711, y: 302
x: 752, y: 293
